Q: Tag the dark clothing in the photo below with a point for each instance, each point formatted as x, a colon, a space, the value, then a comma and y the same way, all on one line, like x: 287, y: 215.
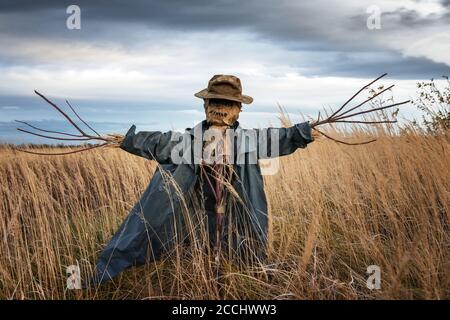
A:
x: 147, y: 232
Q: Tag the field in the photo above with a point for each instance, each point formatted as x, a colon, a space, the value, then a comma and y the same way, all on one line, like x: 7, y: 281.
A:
x: 335, y: 210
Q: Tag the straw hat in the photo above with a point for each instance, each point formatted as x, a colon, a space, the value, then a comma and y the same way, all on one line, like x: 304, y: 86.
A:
x: 224, y: 87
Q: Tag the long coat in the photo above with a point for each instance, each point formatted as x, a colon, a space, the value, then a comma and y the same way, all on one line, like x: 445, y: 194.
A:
x: 147, y: 231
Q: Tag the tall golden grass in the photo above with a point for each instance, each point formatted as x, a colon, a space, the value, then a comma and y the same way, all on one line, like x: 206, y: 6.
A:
x: 334, y: 209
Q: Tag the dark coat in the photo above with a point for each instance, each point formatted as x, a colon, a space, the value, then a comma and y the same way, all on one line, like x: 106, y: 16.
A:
x: 146, y: 232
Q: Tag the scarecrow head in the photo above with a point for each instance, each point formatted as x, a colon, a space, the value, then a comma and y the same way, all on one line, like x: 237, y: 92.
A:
x: 223, y: 100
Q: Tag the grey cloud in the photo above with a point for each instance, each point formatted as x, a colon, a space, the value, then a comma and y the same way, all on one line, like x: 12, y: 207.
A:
x: 319, y: 30
x: 404, y: 18
x: 320, y: 24
x: 366, y: 65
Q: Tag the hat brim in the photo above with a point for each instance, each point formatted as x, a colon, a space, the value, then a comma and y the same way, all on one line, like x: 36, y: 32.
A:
x: 204, y: 94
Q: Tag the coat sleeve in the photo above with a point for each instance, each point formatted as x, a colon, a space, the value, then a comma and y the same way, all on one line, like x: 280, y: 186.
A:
x: 152, y: 145
x: 276, y: 142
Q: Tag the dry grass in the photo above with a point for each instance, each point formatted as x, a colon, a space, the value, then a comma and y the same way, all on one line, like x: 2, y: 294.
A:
x: 335, y: 210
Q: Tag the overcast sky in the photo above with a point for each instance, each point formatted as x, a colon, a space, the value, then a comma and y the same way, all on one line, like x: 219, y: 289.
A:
x: 142, y: 61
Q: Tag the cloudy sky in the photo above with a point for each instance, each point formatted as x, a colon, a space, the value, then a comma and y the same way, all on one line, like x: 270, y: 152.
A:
x: 141, y: 61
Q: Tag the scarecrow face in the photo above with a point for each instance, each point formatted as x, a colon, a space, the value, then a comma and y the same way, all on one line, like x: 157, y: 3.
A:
x: 221, y: 112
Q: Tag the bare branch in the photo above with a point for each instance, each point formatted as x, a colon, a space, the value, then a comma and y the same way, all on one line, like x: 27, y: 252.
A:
x: 371, y: 110
x: 344, y: 142
x: 49, y: 131
x: 87, y: 125
x: 369, y: 99
x: 55, y: 138
x: 359, y: 91
x: 366, y: 122
x: 62, y: 112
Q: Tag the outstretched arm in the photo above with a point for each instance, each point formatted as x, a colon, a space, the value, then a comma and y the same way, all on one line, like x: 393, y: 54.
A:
x: 152, y: 145
x: 276, y: 142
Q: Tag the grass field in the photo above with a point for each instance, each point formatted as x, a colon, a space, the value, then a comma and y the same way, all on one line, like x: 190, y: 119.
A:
x: 334, y: 210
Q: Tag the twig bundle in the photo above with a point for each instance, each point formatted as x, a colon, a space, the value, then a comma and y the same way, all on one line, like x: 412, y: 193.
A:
x: 111, y: 140
x: 343, y: 116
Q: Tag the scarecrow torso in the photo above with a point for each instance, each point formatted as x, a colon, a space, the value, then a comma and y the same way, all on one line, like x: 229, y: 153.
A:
x: 216, y: 166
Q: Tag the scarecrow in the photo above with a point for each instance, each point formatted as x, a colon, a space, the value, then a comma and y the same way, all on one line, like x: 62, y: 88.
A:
x: 221, y: 174
x: 230, y: 191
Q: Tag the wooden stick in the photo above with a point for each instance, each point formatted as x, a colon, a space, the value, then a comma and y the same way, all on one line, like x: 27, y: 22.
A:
x: 366, y: 122
x: 371, y: 110
x: 359, y: 91
x: 343, y: 142
x: 55, y: 138
x: 369, y: 99
x: 49, y: 131
x: 62, y: 112
x: 70, y: 106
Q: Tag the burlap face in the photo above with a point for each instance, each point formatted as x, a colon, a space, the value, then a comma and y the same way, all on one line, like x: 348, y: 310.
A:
x: 222, y: 112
